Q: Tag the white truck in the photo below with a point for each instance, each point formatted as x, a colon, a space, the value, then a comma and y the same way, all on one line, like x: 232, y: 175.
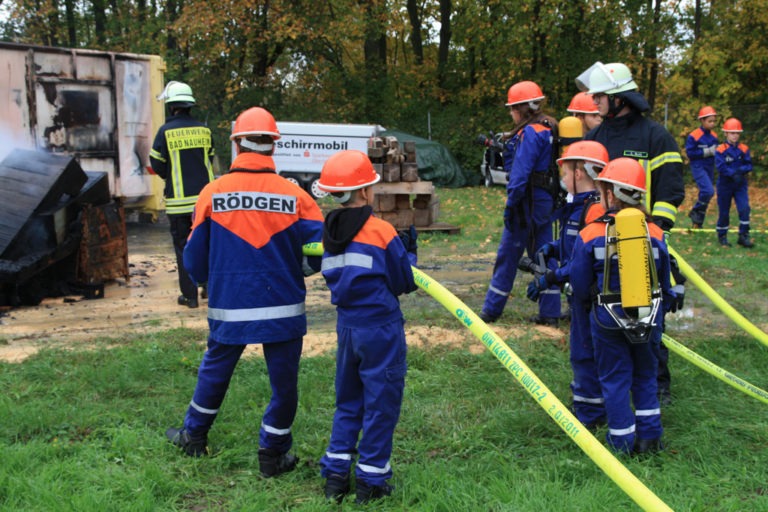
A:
x: 303, y: 148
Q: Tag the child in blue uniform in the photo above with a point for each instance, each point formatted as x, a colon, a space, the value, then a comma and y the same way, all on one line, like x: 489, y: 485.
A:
x: 366, y: 266
x: 734, y: 163
x: 623, y: 337
x: 579, y: 167
x: 700, y: 147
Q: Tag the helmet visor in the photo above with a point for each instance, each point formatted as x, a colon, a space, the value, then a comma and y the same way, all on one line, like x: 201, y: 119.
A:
x: 599, y: 79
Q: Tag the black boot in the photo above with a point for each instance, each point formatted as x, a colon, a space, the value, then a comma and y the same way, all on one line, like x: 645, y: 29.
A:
x: 186, y: 301
x: 723, y: 239
x: 745, y: 241
x: 367, y: 492
x: 336, y: 487
x: 273, y: 463
x: 647, y: 446
x: 194, y: 446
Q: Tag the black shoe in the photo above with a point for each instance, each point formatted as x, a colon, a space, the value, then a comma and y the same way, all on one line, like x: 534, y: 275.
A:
x: 745, y: 241
x: 194, y: 446
x: 272, y: 463
x: 647, y: 446
x: 724, y: 241
x: 541, y: 320
x: 336, y: 487
x: 367, y: 492
x: 485, y: 317
x: 184, y: 301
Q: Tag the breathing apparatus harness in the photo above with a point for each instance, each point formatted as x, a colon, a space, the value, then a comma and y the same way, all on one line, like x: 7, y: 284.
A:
x: 635, y: 307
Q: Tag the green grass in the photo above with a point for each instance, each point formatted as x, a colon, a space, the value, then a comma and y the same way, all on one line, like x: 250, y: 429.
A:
x: 83, y: 430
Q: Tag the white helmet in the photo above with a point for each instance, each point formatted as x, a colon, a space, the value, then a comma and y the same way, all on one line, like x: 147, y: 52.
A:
x: 177, y: 94
x: 606, y: 79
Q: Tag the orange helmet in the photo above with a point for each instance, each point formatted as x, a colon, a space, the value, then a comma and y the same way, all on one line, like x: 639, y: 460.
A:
x: 525, y: 92
x: 582, y: 103
x: 347, y: 170
x: 594, y: 155
x: 706, y: 111
x: 627, y: 177
x: 255, y: 121
x: 732, y: 125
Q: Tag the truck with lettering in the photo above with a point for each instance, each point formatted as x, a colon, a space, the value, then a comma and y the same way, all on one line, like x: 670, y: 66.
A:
x: 303, y: 148
x: 97, y: 106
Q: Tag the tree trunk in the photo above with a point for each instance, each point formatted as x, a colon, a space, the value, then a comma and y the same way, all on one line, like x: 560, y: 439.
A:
x: 69, y: 6
x: 653, y: 51
x: 445, y: 41
x: 416, y: 43
x: 695, y: 49
x: 99, y: 20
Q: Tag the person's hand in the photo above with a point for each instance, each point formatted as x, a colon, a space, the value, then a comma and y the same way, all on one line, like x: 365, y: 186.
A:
x: 539, y: 284
x: 709, y: 151
x: 546, y: 251
x: 677, y: 303
x: 409, y: 237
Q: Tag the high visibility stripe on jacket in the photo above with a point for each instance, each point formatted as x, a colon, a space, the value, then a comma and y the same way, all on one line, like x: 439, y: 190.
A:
x: 181, y: 155
x: 635, y: 136
x: 248, y: 231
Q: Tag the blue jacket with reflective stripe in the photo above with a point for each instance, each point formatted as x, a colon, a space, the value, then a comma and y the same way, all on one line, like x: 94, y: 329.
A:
x: 246, y: 242
x: 366, y: 279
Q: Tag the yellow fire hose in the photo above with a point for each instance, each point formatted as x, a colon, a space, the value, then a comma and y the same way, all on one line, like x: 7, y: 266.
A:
x: 714, y: 370
x: 717, y: 300
x: 600, y: 455
x: 712, y: 230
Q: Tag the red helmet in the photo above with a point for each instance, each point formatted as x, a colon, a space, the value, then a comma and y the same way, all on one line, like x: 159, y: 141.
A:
x: 582, y: 103
x: 525, y: 92
x: 594, y: 155
x: 255, y: 121
x: 627, y: 177
x: 347, y: 170
x: 732, y: 125
x: 706, y: 111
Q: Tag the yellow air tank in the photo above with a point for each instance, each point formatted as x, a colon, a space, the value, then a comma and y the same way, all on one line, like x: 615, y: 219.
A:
x: 634, y: 252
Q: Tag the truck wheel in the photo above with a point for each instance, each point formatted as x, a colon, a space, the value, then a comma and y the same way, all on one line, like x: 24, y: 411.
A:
x: 488, y: 179
x: 293, y: 180
x: 314, y: 189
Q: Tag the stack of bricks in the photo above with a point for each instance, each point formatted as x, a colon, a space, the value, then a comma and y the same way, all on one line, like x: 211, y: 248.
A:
x: 396, y: 164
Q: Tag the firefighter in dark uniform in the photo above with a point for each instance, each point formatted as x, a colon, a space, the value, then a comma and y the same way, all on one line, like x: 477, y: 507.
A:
x: 181, y: 155
x: 626, y: 132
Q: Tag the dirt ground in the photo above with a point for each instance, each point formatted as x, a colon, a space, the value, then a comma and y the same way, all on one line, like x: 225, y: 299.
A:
x: 146, y: 303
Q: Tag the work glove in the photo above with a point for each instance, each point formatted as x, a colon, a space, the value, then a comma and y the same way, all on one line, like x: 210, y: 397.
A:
x: 709, y: 151
x: 540, y: 284
x: 677, y: 303
x: 409, y: 237
x: 546, y: 251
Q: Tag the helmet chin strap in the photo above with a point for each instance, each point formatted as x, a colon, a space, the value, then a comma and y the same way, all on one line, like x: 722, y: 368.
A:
x: 613, y: 107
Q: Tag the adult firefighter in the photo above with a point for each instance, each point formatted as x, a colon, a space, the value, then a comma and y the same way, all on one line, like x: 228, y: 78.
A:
x: 623, y: 275
x: 181, y: 155
x: 700, y: 146
x: 626, y: 132
x: 530, y: 201
x: 247, y: 237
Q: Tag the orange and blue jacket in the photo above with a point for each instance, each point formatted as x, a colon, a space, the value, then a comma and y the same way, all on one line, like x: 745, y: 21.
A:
x: 366, y: 267
x: 695, y: 143
x: 589, y: 258
x: 733, y: 160
x: 248, y: 230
